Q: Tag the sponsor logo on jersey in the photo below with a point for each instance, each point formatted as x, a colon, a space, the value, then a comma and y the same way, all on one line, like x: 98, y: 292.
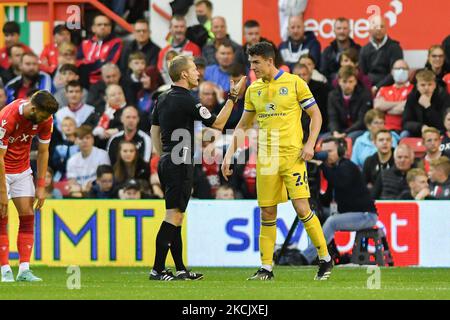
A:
x: 270, y: 107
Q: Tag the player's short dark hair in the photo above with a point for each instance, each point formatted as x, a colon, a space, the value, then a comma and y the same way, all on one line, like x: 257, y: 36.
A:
x: 9, y: 50
x: 11, y: 27
x: 236, y: 70
x: 67, y: 67
x: 60, y: 28
x: 73, y: 83
x: 137, y: 55
x: 44, y: 101
x: 104, y: 169
x: 263, y: 49
x: 251, y: 24
x: 381, y: 131
x: 207, y: 3
x: 178, y: 65
x: 83, y: 131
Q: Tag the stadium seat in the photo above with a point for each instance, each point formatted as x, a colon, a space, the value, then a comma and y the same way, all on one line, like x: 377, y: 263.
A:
x: 63, y: 187
x: 361, y: 254
x: 416, y: 144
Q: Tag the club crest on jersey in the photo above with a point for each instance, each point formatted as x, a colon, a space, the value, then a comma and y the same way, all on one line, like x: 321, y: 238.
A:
x: 259, y: 93
x: 2, y: 132
x: 270, y: 107
x: 283, y: 91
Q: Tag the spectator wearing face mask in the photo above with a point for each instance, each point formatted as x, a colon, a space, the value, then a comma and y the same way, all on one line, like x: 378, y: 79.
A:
x: 392, y: 99
x: 203, y: 11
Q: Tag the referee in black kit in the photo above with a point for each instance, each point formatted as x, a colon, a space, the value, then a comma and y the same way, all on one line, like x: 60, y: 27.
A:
x: 173, y: 138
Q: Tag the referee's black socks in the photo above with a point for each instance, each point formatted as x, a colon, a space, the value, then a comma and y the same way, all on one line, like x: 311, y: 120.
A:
x: 164, y: 240
x: 176, y: 248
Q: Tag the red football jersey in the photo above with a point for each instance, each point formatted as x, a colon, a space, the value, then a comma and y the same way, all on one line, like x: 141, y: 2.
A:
x: 16, y: 133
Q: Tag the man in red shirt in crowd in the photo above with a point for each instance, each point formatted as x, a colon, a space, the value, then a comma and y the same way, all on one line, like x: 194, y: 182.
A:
x: 20, y: 121
x: 178, y: 42
x: 11, y: 31
x: 392, y: 99
x: 49, y: 57
x: 102, y: 48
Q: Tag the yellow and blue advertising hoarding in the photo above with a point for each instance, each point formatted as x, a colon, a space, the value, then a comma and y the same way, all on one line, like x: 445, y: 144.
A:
x: 94, y: 232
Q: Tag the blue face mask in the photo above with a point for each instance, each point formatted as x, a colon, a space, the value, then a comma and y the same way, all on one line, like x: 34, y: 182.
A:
x: 400, y: 75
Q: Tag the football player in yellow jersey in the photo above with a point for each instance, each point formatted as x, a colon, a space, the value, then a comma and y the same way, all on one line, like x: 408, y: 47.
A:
x: 277, y: 100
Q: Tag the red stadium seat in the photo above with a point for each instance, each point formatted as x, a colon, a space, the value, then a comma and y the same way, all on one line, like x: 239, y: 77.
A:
x: 62, y: 186
x: 416, y: 144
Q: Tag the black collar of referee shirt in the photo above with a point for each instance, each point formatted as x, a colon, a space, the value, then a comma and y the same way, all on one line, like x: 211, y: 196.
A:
x: 175, y: 87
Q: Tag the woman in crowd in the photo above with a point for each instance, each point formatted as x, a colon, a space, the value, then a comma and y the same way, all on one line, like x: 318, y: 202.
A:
x: 436, y: 63
x: 129, y: 165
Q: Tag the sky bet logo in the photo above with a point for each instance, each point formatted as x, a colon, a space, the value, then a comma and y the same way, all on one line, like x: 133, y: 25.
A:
x: 242, y: 240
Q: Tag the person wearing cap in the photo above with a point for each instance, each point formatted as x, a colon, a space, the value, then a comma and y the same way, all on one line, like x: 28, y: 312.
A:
x: 11, y: 31
x: 48, y: 59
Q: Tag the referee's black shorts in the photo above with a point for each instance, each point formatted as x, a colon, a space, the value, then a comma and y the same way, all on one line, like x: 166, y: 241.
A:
x: 176, y: 182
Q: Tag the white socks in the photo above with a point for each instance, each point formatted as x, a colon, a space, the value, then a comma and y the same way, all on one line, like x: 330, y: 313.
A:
x: 268, y: 267
x: 326, y: 259
x: 24, y: 266
x: 6, y: 268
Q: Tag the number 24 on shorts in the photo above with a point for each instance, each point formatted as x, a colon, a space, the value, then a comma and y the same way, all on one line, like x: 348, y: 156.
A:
x: 299, y: 179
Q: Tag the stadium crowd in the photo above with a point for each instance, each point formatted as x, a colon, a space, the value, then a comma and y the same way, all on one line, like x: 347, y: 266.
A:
x: 107, y: 88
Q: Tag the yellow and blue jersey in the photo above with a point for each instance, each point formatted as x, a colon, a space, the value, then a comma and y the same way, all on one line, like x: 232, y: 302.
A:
x: 278, y: 104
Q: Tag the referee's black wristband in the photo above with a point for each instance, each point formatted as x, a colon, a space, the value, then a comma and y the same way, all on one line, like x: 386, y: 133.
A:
x: 233, y: 97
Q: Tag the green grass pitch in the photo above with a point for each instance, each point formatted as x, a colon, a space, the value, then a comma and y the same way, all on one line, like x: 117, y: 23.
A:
x: 230, y: 283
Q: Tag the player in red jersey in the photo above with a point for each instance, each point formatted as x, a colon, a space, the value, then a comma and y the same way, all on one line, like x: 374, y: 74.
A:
x: 20, y: 121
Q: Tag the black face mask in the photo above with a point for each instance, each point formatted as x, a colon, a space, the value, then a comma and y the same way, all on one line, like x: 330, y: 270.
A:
x: 202, y: 19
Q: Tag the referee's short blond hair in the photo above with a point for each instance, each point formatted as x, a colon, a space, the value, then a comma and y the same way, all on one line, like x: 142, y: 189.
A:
x: 177, y: 66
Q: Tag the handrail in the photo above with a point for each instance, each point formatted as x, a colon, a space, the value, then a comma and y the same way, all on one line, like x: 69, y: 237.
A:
x: 51, y: 5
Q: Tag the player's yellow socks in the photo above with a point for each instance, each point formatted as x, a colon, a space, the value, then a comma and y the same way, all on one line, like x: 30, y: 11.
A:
x: 315, y: 233
x: 267, y: 238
